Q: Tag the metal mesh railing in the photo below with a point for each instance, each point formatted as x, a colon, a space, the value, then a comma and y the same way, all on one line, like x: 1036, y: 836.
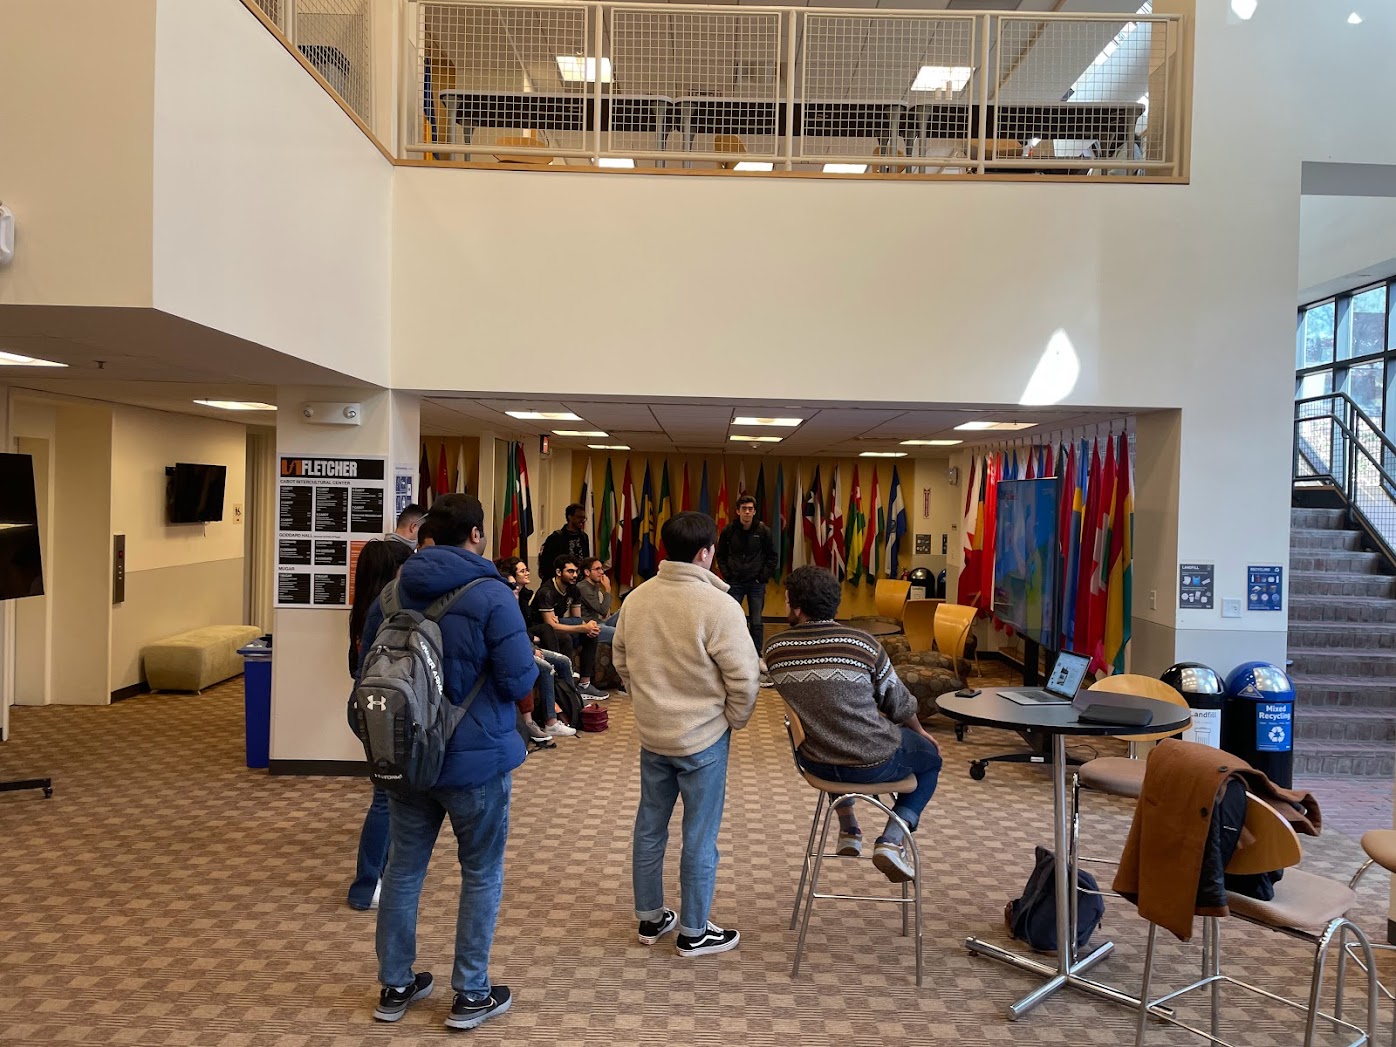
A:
x: 336, y: 37
x: 1336, y: 443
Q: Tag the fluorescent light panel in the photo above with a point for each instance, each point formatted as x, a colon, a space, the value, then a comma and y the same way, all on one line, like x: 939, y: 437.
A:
x: 930, y: 443
x: 942, y: 77
x: 788, y: 423
x: 579, y: 432
x: 574, y: 69
x: 237, y: 405
x: 738, y: 438
x: 15, y: 360
x: 1000, y: 426
x: 882, y: 454
x: 609, y: 447
x: 845, y: 169
x: 545, y: 416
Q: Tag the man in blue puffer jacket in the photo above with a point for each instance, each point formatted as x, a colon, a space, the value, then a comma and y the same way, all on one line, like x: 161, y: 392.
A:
x: 483, y: 633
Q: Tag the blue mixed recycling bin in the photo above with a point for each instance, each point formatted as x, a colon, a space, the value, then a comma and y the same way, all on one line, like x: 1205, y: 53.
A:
x: 1258, y: 720
x: 256, y: 681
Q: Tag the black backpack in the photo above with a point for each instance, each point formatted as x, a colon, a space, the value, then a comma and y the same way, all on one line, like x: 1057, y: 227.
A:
x: 399, y: 708
x: 1033, y: 917
x: 567, y: 699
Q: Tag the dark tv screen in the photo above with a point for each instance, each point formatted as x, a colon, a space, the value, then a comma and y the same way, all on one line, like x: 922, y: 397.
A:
x: 21, y: 564
x: 195, y: 493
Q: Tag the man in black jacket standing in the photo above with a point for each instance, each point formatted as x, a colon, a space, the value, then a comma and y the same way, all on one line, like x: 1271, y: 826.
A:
x: 571, y: 540
x: 746, y: 556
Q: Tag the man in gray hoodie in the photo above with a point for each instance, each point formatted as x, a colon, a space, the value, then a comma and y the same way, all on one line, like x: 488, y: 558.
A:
x: 686, y: 658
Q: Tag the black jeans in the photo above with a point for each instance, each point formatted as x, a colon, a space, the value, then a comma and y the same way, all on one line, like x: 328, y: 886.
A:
x: 755, y: 594
x: 554, y: 640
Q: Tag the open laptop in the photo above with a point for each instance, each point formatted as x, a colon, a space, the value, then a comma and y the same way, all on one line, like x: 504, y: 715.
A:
x: 1065, y: 679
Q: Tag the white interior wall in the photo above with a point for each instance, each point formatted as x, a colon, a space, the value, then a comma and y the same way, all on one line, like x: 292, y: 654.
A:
x: 271, y: 216
x: 1344, y: 242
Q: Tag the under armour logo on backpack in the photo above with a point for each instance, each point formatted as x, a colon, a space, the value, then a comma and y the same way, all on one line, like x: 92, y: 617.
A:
x: 376, y: 703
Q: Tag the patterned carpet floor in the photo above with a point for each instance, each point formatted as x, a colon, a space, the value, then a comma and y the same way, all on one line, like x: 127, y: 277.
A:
x: 166, y: 895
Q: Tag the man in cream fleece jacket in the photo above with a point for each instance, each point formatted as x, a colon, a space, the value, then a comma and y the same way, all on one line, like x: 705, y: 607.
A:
x: 683, y: 650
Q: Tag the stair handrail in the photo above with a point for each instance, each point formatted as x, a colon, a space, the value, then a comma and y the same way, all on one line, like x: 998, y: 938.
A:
x: 1347, y: 485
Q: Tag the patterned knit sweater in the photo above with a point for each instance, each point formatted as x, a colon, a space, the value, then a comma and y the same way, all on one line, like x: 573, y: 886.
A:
x: 840, y: 682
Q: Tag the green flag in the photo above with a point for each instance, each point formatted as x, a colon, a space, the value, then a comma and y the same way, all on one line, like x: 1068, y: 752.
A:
x: 605, y: 536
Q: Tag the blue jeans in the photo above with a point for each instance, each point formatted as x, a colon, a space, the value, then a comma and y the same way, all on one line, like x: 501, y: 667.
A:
x: 373, y: 851
x: 701, y: 779
x: 755, y: 594
x: 608, y: 627
x: 550, y: 662
x: 915, y: 756
x: 480, y: 820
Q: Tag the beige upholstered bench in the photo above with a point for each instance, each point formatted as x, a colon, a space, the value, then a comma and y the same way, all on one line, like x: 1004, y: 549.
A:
x: 197, y: 659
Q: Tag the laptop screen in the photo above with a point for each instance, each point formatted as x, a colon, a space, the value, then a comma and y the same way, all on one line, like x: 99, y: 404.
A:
x: 1068, y: 674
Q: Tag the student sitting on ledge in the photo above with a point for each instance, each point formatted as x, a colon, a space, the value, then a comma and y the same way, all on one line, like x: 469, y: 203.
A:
x: 860, y: 720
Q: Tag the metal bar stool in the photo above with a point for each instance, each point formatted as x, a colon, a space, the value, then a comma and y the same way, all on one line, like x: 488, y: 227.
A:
x: 1380, y: 845
x: 1308, y: 907
x: 814, y: 857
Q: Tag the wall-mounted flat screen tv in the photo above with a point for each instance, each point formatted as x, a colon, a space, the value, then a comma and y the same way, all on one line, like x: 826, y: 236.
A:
x: 21, y: 564
x: 1025, y: 558
x: 194, y: 493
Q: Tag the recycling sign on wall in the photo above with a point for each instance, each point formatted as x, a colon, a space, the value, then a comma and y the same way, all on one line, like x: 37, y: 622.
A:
x: 1274, y: 727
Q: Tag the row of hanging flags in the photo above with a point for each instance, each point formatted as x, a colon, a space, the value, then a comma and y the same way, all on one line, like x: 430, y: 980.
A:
x: 516, y: 523
x: 1095, y: 533
x: 857, y: 539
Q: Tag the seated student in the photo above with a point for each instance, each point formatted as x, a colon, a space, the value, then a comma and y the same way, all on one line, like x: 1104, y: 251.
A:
x: 515, y: 571
x: 860, y: 720
x: 558, y: 599
x: 595, y: 589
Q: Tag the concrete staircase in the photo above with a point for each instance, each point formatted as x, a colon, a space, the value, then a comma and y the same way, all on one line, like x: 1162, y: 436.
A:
x: 1342, y: 640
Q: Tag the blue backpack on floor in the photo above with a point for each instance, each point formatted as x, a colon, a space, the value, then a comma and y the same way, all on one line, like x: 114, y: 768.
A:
x: 1033, y: 917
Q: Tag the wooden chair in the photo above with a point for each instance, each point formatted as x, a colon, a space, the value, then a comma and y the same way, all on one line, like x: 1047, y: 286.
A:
x: 890, y: 597
x: 1306, y: 906
x: 952, y: 625
x: 529, y: 139
x: 1124, y: 775
x: 728, y: 144
x: 918, y: 622
x: 815, y: 855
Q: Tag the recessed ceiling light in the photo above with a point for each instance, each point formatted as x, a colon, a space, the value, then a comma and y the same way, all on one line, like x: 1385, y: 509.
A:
x: 615, y: 161
x: 15, y: 360
x: 754, y: 165
x: 942, y: 77
x: 738, y: 438
x: 574, y: 69
x: 996, y: 425
x: 1354, y: 19
x: 579, y: 432
x: 1243, y: 9
x: 789, y: 423
x: 609, y: 447
x: 237, y: 405
x: 845, y: 169
x: 545, y: 416
x: 930, y: 443
x: 882, y: 454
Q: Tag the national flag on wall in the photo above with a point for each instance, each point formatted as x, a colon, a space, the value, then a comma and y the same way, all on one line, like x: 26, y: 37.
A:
x: 896, y: 524
x: 685, y: 502
x: 424, y: 480
x: 441, y: 483
x: 606, y: 534
x: 625, y: 572
x: 509, y: 521
x: 648, y: 558
x: 1100, y: 567
x: 721, y: 514
x: 838, y: 549
x: 460, y: 469
x: 587, y: 499
x: 1069, y: 540
x: 816, y: 536
x: 989, y: 525
x: 1031, y: 464
x: 741, y: 479
x: 855, y: 528
x: 972, y: 528
x: 798, y: 523
x: 867, y: 555
x: 703, y: 492
x: 663, y: 510
x: 1081, y: 638
x: 525, y: 501
x: 763, y: 509
x: 777, y: 523
x: 1119, y: 597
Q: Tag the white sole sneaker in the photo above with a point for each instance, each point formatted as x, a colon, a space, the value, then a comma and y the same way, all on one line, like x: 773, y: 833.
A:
x: 891, y: 860
x: 715, y: 940
x: 666, y: 925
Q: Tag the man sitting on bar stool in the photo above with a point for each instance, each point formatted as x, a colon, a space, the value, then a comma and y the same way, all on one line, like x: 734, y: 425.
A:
x: 859, y: 719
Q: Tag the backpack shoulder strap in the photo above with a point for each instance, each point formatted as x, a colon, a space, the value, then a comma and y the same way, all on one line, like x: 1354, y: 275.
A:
x: 390, y: 599
x: 437, y: 611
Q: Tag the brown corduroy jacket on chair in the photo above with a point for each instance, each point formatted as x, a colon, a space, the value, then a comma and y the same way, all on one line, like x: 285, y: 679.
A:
x: 1162, y: 862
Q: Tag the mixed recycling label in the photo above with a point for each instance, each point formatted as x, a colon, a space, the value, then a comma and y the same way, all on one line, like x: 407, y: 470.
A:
x: 1274, y: 727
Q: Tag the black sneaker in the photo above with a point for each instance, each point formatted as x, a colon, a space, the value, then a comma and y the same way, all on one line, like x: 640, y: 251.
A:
x: 714, y: 939
x: 393, y: 1003
x: 653, y: 930
x: 467, y: 1013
